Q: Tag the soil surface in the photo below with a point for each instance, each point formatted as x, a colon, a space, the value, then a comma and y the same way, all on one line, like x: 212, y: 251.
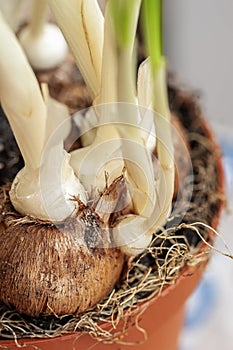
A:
x: 10, y: 157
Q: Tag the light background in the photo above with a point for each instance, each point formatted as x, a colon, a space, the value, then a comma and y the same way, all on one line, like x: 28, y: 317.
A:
x: 199, y: 48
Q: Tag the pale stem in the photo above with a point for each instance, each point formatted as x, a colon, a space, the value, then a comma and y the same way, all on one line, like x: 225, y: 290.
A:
x: 164, y: 143
x: 118, y: 83
x: 126, y: 80
x: 21, y: 98
x: 108, y: 92
x: 160, y: 103
x: 11, y: 10
x: 153, y: 30
x: 82, y: 24
x: 38, y: 17
x: 152, y: 90
x: 92, y: 163
x: 137, y: 159
x: 134, y: 232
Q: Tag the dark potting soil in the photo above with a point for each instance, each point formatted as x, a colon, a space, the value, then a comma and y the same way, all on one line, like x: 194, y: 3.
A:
x: 10, y: 157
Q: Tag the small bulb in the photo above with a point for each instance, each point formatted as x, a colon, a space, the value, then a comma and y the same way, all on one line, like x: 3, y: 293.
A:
x: 46, y: 50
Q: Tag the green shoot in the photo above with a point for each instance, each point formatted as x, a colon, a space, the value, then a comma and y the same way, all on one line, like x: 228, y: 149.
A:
x: 123, y: 12
x: 152, y: 25
x: 122, y: 19
x: 152, y: 13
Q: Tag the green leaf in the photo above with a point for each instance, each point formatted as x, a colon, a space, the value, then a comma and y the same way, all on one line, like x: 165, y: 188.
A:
x: 123, y: 17
x: 152, y: 27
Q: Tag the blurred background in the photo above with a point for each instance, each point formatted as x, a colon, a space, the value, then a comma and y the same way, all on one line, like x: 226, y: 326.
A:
x: 198, y: 45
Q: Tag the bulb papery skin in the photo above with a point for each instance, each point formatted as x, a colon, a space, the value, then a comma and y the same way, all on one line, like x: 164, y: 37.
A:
x: 49, y: 198
x: 130, y: 236
x: 56, y: 269
x: 46, y: 50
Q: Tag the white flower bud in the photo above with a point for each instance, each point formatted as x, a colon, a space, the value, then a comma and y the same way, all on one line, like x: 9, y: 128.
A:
x: 47, y: 49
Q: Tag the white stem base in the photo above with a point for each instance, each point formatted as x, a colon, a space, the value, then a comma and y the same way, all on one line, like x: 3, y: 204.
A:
x: 45, y: 195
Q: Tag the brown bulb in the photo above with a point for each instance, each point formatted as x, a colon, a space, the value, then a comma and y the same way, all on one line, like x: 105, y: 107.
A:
x: 48, y: 269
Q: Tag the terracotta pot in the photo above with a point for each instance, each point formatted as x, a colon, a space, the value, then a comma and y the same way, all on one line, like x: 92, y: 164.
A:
x: 162, y: 320
x: 161, y: 317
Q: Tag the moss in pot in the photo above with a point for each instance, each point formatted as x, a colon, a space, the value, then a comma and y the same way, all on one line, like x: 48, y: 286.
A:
x: 74, y: 220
